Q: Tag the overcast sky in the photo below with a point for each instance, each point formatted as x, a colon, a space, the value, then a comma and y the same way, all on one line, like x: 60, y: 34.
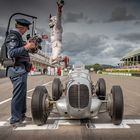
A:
x: 94, y: 31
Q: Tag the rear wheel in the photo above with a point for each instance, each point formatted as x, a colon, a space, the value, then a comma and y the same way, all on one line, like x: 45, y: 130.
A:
x: 56, y: 89
x: 117, y: 105
x: 101, y: 89
x: 39, y: 105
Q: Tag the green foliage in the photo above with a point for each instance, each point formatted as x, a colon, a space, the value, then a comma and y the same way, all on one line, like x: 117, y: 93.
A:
x: 88, y: 67
x: 96, y: 67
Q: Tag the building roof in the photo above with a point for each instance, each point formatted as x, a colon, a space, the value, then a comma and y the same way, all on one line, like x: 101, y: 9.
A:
x: 131, y: 54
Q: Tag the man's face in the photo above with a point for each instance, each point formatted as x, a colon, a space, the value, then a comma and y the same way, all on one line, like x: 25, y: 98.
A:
x: 22, y: 29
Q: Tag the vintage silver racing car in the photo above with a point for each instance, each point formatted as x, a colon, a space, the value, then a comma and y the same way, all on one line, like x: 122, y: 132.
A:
x: 78, y: 99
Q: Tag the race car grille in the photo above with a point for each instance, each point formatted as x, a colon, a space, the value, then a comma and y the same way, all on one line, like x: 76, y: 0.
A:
x: 79, y: 96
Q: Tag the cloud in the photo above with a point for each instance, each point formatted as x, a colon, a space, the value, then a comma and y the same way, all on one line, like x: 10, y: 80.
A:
x: 2, y: 35
x: 88, y: 49
x: 74, y: 43
x: 132, y: 1
x: 1, y: 41
x: 117, y: 50
x: 83, y: 45
x: 137, y: 23
x: 95, y: 49
x: 2, y: 31
x: 72, y: 17
x: 131, y: 37
x: 120, y: 14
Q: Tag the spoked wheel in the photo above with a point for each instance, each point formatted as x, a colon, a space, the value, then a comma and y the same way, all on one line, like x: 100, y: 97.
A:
x: 39, y: 105
x: 116, y: 105
x: 56, y: 89
x: 101, y: 89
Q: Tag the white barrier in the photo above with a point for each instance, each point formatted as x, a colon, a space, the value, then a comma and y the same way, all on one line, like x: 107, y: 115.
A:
x: 117, y: 73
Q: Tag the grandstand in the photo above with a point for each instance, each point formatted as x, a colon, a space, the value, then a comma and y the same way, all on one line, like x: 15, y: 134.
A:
x: 132, y: 60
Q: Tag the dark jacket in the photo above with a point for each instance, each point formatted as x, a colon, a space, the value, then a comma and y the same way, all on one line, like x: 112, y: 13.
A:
x: 16, y: 51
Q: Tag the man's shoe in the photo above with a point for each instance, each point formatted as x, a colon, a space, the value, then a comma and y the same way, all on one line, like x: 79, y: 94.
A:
x: 18, y: 124
x: 26, y: 119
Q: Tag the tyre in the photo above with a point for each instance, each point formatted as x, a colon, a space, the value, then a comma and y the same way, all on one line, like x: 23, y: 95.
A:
x: 39, y: 108
x: 117, y: 105
x: 56, y: 89
x: 101, y: 89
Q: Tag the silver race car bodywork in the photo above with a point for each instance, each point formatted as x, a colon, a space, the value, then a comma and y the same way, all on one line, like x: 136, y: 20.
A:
x: 78, y: 99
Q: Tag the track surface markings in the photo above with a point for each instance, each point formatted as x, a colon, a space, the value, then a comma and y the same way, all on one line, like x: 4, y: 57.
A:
x: 124, y: 125
x: 9, y: 99
x: 55, y: 125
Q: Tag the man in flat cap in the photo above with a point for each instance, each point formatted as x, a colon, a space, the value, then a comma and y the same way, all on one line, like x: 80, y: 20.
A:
x: 17, y: 50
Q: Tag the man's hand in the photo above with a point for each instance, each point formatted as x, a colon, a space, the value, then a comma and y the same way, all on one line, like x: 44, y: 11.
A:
x: 60, y: 5
x: 29, y: 45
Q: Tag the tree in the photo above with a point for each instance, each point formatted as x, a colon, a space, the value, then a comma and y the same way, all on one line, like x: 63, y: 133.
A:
x: 97, y: 67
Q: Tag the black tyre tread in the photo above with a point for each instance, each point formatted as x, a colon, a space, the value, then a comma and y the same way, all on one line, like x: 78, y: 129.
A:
x: 38, y: 114
x: 118, y: 105
x: 56, y: 89
x: 101, y: 93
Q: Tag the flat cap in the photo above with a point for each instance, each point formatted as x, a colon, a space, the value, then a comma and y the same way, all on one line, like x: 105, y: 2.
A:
x: 23, y: 22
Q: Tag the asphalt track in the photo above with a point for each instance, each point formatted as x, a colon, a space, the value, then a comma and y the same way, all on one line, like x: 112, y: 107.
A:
x: 59, y: 128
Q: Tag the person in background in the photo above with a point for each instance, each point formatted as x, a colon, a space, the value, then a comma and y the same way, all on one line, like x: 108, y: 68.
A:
x: 59, y: 71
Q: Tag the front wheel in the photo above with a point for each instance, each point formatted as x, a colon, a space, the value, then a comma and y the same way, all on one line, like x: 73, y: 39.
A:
x: 39, y: 105
x: 57, y: 89
x: 116, y: 105
x: 101, y: 89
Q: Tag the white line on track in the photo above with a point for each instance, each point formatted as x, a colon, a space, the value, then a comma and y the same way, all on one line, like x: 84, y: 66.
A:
x: 69, y: 122
x: 2, y: 123
x: 65, y: 118
x: 9, y: 99
x: 5, y: 101
x: 134, y: 121
x: 55, y: 125
x: 125, y: 125
x: 29, y: 97
x: 108, y: 126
